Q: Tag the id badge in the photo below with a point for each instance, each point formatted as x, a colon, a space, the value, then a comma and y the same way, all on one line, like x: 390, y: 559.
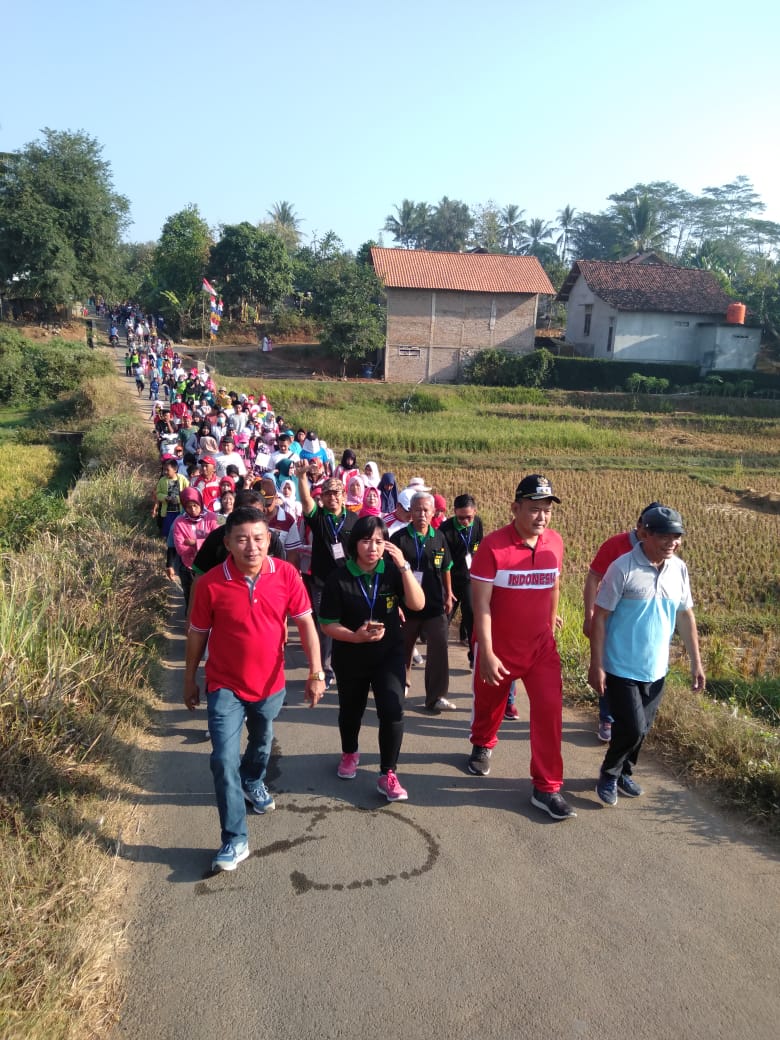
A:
x: 418, y: 576
x: 338, y: 551
x: 468, y: 560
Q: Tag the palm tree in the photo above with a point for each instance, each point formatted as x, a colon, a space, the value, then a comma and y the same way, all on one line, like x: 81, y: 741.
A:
x: 537, y: 232
x: 512, y: 226
x: 640, y: 224
x: 409, y: 225
x: 565, y: 226
x: 286, y: 223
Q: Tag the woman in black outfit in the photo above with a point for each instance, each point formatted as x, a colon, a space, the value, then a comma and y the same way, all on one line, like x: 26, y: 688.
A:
x: 360, y: 612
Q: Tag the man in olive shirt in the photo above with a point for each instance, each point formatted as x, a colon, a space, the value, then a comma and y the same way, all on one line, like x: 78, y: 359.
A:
x: 330, y: 523
x: 430, y: 560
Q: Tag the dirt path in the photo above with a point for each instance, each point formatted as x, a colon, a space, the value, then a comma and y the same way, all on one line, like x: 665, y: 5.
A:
x: 464, y: 913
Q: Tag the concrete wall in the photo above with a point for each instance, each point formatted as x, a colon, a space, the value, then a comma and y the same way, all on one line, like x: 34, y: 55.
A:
x: 431, y: 334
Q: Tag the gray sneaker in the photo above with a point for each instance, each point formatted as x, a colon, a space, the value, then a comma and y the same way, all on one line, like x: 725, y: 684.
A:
x: 553, y: 803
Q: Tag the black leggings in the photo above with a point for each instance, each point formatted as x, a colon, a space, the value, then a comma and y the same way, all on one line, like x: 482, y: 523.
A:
x: 386, y: 679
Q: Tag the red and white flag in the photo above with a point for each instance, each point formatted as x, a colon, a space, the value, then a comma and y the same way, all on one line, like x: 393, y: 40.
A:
x: 209, y: 288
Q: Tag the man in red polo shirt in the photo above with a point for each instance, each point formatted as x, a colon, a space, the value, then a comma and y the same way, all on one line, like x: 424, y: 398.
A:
x: 515, y: 578
x: 240, y: 608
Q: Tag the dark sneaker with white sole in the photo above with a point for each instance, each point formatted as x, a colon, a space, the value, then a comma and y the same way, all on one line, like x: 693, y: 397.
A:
x: 628, y: 786
x: 479, y: 761
x: 606, y: 789
x: 553, y: 803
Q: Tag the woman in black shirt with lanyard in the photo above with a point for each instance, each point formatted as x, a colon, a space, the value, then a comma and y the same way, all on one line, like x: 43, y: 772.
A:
x: 359, y: 611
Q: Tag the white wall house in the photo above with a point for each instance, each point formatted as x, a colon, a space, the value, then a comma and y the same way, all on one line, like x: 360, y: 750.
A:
x: 654, y: 312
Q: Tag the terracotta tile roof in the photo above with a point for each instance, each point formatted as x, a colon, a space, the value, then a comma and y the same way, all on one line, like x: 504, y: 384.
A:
x: 460, y: 272
x: 650, y: 287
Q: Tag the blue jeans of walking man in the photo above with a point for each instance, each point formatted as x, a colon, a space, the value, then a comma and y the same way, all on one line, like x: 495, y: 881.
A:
x: 233, y: 772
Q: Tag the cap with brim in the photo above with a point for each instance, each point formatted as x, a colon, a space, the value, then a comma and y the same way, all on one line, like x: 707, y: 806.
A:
x: 535, y: 487
x: 418, y: 484
x: 663, y: 520
x: 405, y: 499
x: 206, y: 460
x: 332, y: 484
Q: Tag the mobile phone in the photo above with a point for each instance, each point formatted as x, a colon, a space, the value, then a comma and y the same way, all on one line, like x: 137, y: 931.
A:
x: 374, y: 626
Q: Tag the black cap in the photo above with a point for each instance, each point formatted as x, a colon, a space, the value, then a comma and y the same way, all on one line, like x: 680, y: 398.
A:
x: 663, y: 520
x: 535, y: 487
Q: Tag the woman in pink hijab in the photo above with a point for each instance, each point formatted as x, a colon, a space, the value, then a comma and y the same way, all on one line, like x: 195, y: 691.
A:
x: 371, y: 503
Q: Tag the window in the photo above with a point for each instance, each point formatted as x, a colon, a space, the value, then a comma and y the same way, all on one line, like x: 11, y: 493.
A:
x: 588, y: 314
x: 408, y: 351
x: 610, y: 335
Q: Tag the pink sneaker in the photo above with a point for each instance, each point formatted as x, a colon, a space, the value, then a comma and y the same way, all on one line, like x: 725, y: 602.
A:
x: 388, y: 785
x: 347, y: 769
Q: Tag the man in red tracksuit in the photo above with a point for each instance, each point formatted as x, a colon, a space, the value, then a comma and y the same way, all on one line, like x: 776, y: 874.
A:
x: 515, y: 579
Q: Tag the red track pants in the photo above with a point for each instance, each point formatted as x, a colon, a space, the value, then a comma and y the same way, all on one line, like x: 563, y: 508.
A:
x: 541, y: 677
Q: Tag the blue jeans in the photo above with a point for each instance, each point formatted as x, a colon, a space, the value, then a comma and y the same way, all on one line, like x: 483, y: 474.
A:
x: 231, y: 770
x: 605, y: 715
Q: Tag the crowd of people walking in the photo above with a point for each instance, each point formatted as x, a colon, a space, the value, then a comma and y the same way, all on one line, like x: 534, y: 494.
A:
x: 263, y: 522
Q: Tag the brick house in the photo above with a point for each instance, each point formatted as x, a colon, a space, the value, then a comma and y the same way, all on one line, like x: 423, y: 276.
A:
x: 444, y: 307
x: 642, y: 309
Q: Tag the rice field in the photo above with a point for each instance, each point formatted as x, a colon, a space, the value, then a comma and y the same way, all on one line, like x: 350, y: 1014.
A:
x: 606, y: 466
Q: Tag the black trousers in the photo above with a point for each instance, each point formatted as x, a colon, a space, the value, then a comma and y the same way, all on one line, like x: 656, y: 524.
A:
x: 386, y: 678
x: 633, y: 706
x: 462, y: 594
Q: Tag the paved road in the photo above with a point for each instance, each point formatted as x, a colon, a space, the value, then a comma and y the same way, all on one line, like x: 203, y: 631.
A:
x: 464, y: 913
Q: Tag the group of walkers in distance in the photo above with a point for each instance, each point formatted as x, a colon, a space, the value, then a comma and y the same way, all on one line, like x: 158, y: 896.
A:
x: 264, y: 523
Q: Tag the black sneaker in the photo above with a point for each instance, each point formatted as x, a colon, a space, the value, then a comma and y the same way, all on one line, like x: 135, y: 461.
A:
x: 479, y: 762
x: 553, y: 803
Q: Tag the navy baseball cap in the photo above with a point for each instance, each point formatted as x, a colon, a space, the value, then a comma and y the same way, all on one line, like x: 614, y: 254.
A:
x: 663, y: 520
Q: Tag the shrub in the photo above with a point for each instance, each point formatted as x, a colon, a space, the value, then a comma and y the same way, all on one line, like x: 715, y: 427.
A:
x: 506, y: 368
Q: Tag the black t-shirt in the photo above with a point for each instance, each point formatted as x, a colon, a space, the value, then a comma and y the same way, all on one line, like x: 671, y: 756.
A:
x: 351, y: 597
x: 461, y: 541
x: 213, y: 551
x: 328, y: 530
x: 430, y: 556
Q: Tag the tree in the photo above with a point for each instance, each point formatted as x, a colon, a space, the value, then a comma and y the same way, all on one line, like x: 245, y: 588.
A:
x: 486, y: 232
x: 595, y: 236
x: 732, y: 205
x: 536, y: 240
x: 180, y: 262
x: 512, y: 227
x: 286, y: 223
x: 449, y: 225
x: 60, y: 219
x: 354, y: 322
x: 409, y: 226
x: 135, y: 261
x: 251, y: 267
x: 640, y: 228
x: 565, y: 225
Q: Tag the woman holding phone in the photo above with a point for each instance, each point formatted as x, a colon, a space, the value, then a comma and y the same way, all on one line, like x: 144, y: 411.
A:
x: 360, y: 612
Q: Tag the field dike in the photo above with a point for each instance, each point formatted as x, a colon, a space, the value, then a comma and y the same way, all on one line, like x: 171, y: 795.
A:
x: 81, y: 616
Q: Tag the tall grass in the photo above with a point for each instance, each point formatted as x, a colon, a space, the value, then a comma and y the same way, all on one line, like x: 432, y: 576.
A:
x: 78, y: 614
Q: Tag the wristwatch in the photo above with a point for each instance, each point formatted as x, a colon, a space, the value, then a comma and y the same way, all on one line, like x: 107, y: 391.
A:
x: 407, y: 566
x: 318, y: 675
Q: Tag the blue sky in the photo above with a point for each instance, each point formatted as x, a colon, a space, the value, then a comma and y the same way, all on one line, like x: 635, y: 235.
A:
x: 345, y: 108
